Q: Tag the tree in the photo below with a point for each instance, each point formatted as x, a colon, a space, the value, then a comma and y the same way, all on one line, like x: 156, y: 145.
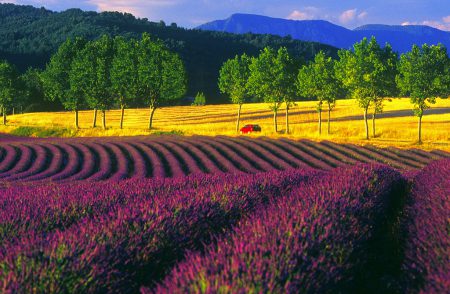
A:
x: 124, y: 74
x: 423, y: 77
x: 318, y: 79
x: 161, y: 74
x: 233, y: 78
x: 9, y: 87
x: 91, y: 74
x: 368, y: 72
x: 272, y: 78
x: 56, y: 77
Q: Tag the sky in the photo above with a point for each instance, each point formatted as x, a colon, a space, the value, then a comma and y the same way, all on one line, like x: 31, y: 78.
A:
x: 347, y: 13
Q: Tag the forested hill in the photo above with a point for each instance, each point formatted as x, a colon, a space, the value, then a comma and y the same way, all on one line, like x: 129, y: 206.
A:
x: 29, y: 36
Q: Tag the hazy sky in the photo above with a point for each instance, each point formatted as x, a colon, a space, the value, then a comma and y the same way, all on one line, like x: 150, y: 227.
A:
x: 349, y: 13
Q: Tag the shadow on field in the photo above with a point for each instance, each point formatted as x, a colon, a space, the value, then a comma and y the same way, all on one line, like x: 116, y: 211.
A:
x: 262, y: 115
x: 396, y: 113
x: 246, y: 116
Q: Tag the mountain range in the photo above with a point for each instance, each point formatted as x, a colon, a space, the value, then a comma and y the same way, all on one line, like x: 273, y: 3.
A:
x: 400, y: 37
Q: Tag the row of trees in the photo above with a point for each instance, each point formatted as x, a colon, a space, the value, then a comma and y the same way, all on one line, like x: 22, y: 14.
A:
x: 101, y: 74
x: 369, y: 73
x: 111, y: 72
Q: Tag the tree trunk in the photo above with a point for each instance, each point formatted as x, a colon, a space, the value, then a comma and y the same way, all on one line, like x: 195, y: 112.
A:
x: 287, y: 118
x: 238, y: 118
x: 329, y: 118
x: 4, y: 115
x: 366, y: 123
x: 320, y: 121
x: 76, y: 120
x: 275, y: 124
x: 94, y: 122
x: 373, y: 123
x: 122, y: 112
x: 150, y: 123
x: 420, y: 129
x: 104, y: 119
x: 13, y: 111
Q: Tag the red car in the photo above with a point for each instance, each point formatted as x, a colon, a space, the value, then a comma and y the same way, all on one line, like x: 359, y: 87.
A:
x: 247, y: 129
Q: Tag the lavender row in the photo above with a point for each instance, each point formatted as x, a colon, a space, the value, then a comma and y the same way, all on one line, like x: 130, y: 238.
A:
x: 317, y: 151
x: 318, y: 239
x: 241, y: 158
x: 276, y: 161
x: 55, y: 165
x: 113, y: 252
x: 310, y: 159
x: 23, y: 162
x: 205, y: 161
x: 427, y: 231
x: 46, y: 207
x: 9, y: 159
x: 281, y: 153
x: 226, y: 163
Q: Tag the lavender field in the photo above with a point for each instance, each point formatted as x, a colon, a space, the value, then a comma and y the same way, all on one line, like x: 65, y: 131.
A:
x: 221, y: 215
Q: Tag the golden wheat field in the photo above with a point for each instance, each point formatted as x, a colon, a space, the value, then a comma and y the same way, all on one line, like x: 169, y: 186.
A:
x: 396, y: 126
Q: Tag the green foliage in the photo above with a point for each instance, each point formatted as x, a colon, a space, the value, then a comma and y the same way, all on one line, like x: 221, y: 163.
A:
x: 161, y: 73
x: 272, y: 76
x: 318, y: 80
x: 9, y: 84
x: 42, y: 132
x: 368, y: 71
x: 124, y: 74
x: 58, y: 80
x: 171, y: 133
x: 199, y: 100
x: 90, y: 73
x: 424, y: 75
x: 233, y: 78
x: 34, y: 95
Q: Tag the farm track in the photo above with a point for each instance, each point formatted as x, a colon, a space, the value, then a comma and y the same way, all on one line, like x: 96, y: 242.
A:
x: 98, y: 159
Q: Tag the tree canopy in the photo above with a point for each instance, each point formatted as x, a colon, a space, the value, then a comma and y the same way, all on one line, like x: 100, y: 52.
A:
x: 59, y: 83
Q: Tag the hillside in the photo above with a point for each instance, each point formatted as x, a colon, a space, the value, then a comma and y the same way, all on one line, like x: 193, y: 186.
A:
x: 400, y: 37
x: 29, y: 36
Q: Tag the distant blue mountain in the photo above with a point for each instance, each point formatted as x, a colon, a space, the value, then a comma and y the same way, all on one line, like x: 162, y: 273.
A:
x: 400, y: 37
